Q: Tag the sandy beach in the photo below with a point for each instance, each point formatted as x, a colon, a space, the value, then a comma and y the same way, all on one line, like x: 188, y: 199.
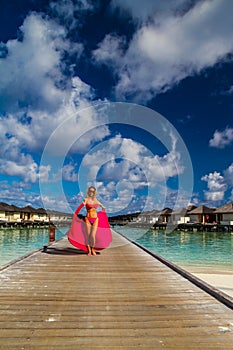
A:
x: 220, y: 278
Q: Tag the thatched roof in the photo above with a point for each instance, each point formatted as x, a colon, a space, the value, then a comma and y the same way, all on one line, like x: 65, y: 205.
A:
x: 181, y: 211
x: 28, y: 209
x: 202, y: 210
x: 191, y: 207
x: 4, y: 207
x: 8, y: 207
x: 165, y: 211
x: 227, y: 208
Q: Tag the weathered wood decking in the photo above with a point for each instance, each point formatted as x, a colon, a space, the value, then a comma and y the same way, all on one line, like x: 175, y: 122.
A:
x: 121, y: 299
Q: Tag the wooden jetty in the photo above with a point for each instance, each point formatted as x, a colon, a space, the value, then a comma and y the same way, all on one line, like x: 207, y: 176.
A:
x: 123, y: 298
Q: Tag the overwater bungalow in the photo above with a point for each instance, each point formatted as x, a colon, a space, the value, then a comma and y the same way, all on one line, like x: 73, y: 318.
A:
x: 190, y: 218
x: 202, y: 214
x: 13, y: 215
x: 155, y: 216
x: 179, y: 216
x: 40, y: 214
x: 9, y: 213
x: 58, y: 217
x: 224, y: 214
x: 29, y: 213
x: 164, y: 215
x: 185, y: 218
x: 148, y: 217
x: 163, y: 219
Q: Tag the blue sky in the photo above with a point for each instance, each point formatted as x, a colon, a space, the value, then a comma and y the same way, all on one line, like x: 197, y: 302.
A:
x: 132, y: 97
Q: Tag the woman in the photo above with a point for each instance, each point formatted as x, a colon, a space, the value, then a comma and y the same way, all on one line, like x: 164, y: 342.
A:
x: 96, y: 233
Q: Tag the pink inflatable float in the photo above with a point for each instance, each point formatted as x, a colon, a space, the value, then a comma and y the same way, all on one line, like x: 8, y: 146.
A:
x: 77, y: 233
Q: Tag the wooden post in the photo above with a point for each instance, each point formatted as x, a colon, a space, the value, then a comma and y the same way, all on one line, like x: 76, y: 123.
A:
x: 51, y: 234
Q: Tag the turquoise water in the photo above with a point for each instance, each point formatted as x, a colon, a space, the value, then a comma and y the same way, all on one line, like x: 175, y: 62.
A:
x: 203, y: 249
x: 15, y: 243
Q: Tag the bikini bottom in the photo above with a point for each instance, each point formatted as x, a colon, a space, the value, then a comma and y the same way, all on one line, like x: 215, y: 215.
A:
x: 91, y: 220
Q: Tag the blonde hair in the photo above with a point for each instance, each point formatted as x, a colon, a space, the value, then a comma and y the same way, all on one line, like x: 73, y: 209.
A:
x: 88, y: 190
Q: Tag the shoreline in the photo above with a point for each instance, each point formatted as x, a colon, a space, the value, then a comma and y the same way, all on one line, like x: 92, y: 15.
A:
x: 220, y: 277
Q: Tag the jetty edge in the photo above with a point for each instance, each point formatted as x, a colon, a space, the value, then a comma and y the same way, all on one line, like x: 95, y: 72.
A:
x: 216, y: 293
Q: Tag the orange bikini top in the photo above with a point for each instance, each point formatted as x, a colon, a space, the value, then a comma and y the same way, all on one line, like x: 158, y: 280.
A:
x: 90, y: 206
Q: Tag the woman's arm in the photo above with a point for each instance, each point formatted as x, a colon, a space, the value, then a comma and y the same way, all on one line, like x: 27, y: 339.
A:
x: 101, y: 205
x: 79, y: 208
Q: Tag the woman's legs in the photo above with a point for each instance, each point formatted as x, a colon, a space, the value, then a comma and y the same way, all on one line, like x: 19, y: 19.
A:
x: 88, y: 225
x: 92, y: 235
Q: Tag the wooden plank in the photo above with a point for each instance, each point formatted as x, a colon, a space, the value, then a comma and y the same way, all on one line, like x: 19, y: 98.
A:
x: 121, y: 299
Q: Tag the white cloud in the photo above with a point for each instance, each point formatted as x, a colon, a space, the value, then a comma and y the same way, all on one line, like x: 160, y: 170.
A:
x: 126, y: 159
x: 37, y: 99
x: 115, y: 197
x: 124, y: 169
x: 23, y: 166
x: 221, y: 139
x: 228, y: 175
x: 172, y: 47
x: 121, y: 168
x: 67, y: 11
x: 43, y: 173
x: 230, y: 91
x: 15, y: 193
x: 227, y: 91
x: 30, y: 92
x: 216, y: 186
x: 69, y: 173
x: 18, y: 139
x: 110, y: 49
x: 89, y: 135
x: 31, y: 71
x: 144, y: 9
x: 76, y: 123
x: 55, y: 203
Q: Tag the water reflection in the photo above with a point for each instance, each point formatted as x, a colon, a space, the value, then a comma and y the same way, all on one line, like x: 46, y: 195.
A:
x: 187, y: 248
x: 15, y: 243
